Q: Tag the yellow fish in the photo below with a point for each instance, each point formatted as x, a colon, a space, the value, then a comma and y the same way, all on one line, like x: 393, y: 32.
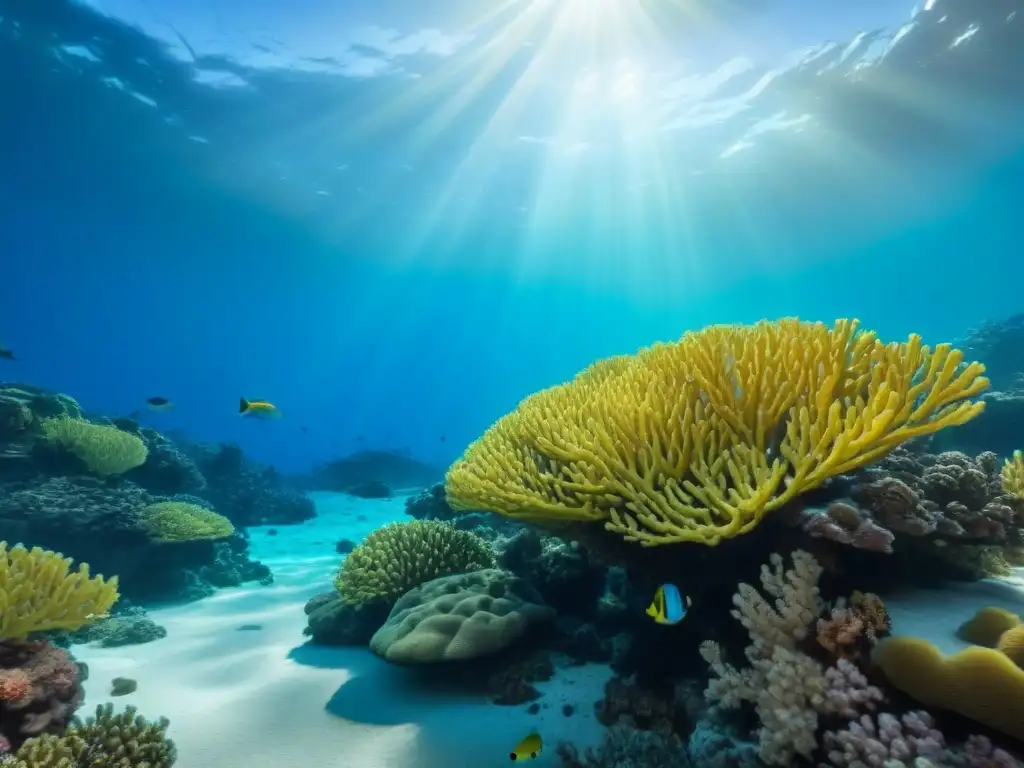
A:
x: 259, y: 409
x: 668, y: 606
x: 527, y: 749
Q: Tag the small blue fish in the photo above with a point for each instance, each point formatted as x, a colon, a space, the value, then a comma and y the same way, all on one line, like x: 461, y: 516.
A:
x: 668, y: 606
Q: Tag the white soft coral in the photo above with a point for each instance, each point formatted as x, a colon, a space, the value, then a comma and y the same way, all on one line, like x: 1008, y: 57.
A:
x: 787, y: 687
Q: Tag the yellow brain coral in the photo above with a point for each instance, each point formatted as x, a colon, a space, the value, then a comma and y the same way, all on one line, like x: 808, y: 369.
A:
x: 699, y: 439
x: 171, y: 521
x: 105, y: 450
x: 37, y: 593
x: 399, y: 556
x: 979, y: 683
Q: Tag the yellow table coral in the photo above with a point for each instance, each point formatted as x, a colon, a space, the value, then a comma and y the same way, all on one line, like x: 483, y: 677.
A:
x: 38, y: 592
x: 699, y: 439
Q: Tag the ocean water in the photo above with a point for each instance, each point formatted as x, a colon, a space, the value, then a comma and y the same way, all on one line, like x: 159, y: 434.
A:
x: 395, y: 220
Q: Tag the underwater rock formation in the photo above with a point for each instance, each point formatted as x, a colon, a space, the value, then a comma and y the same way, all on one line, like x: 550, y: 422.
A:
x: 1000, y: 346
x: 390, y: 468
x: 246, y: 493
x: 90, y: 488
x: 332, y: 621
x: 949, y: 497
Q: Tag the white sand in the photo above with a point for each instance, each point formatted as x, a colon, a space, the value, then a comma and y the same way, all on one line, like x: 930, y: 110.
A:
x: 935, y: 614
x: 261, y: 699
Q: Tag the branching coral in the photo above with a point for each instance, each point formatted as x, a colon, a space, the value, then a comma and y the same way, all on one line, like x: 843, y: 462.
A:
x: 38, y: 592
x: 399, y: 556
x: 886, y: 740
x: 700, y: 439
x: 786, y: 686
x: 853, y: 626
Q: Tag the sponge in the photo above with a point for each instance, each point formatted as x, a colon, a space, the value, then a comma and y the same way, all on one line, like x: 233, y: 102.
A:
x: 981, y: 684
x: 987, y: 625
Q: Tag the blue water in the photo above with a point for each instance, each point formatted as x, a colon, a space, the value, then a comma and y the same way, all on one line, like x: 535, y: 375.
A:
x: 394, y: 220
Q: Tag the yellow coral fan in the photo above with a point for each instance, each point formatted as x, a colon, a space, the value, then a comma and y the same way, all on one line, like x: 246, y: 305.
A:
x: 1011, y: 644
x: 987, y: 626
x: 104, y: 450
x: 125, y: 740
x: 399, y: 556
x: 37, y: 592
x: 179, y: 521
x: 979, y: 683
x: 1013, y: 475
x: 698, y: 440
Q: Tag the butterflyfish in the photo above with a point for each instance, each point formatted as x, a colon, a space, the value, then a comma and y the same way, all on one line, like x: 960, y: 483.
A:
x: 259, y: 409
x: 527, y: 749
x: 669, y: 606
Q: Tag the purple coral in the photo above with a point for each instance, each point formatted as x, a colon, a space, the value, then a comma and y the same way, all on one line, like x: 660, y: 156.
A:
x: 848, y: 692
x: 872, y: 741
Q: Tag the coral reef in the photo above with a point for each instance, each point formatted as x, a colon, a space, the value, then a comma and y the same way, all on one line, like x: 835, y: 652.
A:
x: 245, y: 493
x: 103, y: 450
x: 400, y: 556
x: 40, y: 690
x: 332, y: 621
x: 106, y: 740
x: 459, y: 617
x: 170, y: 521
x: 392, y: 469
x: 949, y: 498
x: 39, y: 592
x: 699, y: 440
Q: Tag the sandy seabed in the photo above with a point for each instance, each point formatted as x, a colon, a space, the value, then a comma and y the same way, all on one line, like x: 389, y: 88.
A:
x: 242, y: 689
x: 263, y: 698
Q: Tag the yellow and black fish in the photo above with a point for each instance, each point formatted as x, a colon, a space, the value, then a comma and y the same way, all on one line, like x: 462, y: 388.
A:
x: 527, y: 749
x: 669, y: 605
x: 259, y: 409
x: 159, y: 404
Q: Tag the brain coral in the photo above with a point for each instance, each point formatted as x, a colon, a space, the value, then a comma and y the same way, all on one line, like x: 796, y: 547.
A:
x: 399, y: 556
x: 180, y: 521
x: 104, y: 450
x: 459, y: 617
x: 698, y: 440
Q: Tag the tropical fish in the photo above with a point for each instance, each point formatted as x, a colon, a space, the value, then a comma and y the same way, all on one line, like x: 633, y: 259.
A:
x: 6, y: 354
x: 259, y: 409
x: 159, y: 404
x: 527, y: 749
x: 668, y: 606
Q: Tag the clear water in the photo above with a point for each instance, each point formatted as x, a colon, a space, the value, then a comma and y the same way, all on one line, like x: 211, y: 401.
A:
x: 396, y: 219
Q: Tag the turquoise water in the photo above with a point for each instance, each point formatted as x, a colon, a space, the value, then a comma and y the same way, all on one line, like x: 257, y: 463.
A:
x: 395, y: 222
